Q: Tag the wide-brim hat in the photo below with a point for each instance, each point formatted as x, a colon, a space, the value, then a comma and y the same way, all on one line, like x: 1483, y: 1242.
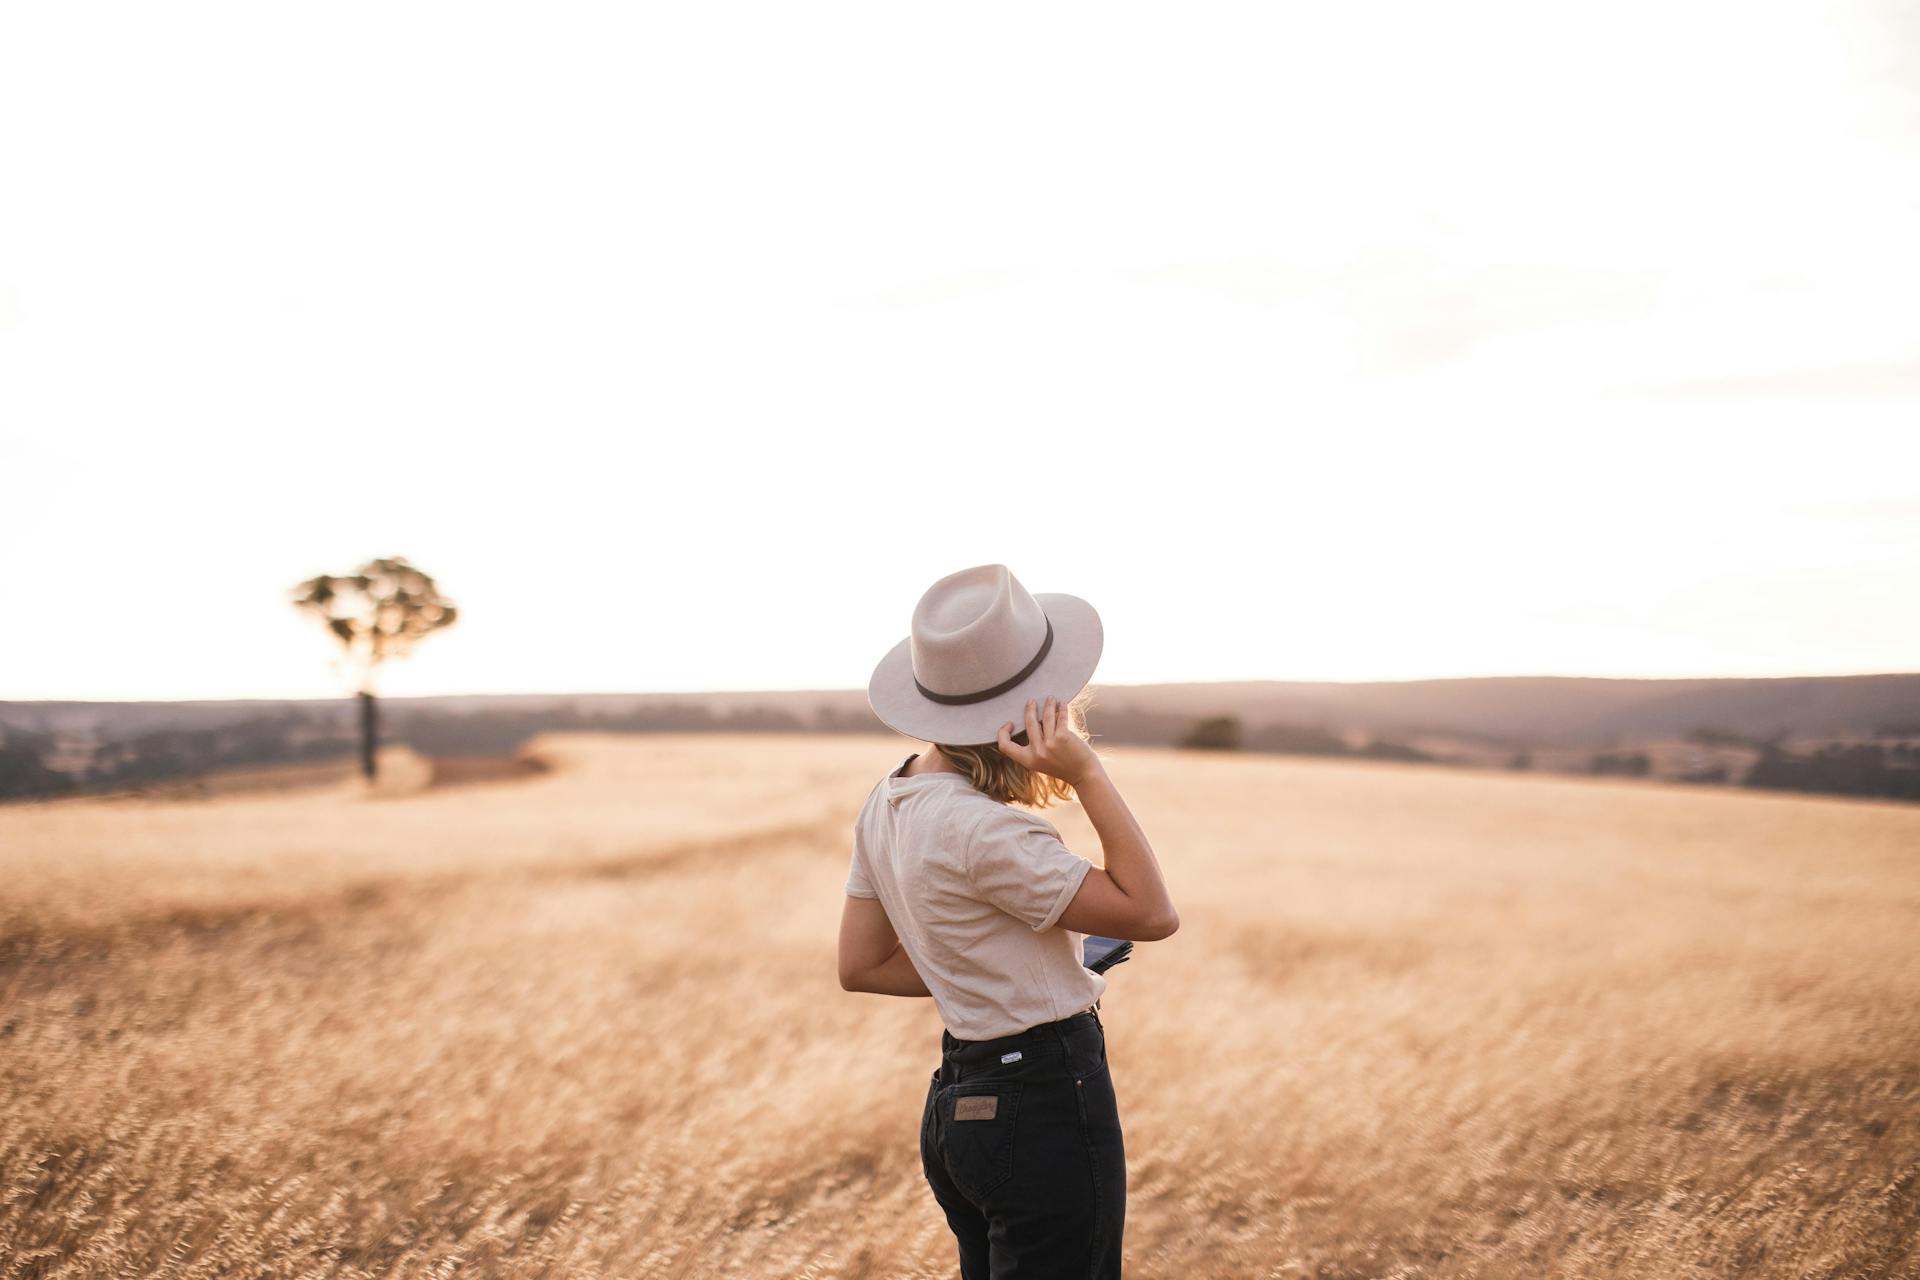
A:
x: 980, y: 646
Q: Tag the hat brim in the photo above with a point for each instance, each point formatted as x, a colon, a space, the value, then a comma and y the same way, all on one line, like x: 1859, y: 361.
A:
x: 1068, y: 666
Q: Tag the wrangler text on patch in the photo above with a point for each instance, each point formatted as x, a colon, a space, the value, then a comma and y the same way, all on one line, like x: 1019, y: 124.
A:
x: 980, y: 1106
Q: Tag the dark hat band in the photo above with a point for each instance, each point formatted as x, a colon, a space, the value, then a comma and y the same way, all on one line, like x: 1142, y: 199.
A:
x: 960, y: 699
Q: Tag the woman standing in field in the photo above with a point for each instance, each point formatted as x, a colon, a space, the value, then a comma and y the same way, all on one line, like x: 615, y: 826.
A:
x: 956, y: 894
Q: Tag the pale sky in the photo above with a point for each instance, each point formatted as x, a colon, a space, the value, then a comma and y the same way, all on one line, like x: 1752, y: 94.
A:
x: 686, y: 345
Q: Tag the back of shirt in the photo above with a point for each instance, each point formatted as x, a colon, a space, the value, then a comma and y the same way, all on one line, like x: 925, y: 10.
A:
x: 973, y: 887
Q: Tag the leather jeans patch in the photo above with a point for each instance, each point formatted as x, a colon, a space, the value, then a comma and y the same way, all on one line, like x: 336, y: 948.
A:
x: 979, y: 1106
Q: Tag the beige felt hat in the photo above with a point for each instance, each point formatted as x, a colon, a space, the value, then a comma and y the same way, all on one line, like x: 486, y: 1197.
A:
x: 981, y: 645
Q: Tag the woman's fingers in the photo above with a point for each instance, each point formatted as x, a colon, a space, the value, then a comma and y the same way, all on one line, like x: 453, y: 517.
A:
x: 1046, y: 720
x: 1011, y: 749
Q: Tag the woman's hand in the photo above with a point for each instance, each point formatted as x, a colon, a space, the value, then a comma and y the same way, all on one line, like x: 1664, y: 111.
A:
x: 1052, y: 745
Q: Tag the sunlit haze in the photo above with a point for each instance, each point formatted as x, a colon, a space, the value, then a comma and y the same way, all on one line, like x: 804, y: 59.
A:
x: 686, y: 346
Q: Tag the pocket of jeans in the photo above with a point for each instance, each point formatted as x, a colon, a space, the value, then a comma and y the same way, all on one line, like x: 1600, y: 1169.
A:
x: 977, y: 1122
x: 926, y: 1115
x: 1087, y: 1053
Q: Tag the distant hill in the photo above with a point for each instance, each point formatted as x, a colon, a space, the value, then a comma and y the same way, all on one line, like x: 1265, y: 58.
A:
x: 1556, y: 710
x: 1523, y: 710
x: 1785, y: 731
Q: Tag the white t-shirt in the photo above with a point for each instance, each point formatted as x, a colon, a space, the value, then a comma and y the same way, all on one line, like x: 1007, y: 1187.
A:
x: 973, y: 887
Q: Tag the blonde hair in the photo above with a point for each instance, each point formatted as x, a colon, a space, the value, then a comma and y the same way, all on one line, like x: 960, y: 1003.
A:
x: 1011, y: 782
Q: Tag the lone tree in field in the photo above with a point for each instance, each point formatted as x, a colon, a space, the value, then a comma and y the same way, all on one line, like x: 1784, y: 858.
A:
x: 378, y: 613
x: 1214, y: 733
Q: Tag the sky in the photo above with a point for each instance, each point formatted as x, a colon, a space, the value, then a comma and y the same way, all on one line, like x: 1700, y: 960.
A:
x: 685, y: 346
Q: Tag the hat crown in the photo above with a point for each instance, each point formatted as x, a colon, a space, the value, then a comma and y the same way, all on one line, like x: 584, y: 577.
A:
x: 975, y: 629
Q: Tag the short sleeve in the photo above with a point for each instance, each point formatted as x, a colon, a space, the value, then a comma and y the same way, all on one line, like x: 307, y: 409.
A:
x: 1017, y: 861
x: 858, y: 886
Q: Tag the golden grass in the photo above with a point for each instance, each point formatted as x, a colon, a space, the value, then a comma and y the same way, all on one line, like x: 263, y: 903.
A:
x: 1416, y: 1023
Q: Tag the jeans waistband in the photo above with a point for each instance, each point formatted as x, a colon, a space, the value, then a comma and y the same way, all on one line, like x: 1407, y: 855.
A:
x: 1046, y: 1037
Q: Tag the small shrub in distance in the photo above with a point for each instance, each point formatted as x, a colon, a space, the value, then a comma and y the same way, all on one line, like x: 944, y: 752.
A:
x: 1214, y: 733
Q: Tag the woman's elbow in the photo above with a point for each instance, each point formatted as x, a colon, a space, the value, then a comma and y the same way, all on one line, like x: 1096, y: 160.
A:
x: 1160, y: 927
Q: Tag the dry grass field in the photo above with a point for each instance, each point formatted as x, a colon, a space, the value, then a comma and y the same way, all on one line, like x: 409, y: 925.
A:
x: 584, y: 1022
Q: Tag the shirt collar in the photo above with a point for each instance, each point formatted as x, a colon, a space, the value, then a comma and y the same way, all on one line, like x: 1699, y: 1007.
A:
x: 898, y: 786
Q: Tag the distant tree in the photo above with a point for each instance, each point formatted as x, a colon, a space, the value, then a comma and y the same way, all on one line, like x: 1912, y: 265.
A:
x: 1520, y: 760
x: 1298, y: 740
x: 1634, y: 764
x: 1386, y: 749
x: 23, y: 765
x: 1856, y: 769
x: 380, y: 612
x: 1709, y: 736
x: 1214, y: 733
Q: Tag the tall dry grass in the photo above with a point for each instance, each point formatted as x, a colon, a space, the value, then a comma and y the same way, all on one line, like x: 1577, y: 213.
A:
x: 1416, y: 1023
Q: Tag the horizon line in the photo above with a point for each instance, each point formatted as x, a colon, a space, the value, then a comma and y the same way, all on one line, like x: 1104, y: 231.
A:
x: 1096, y: 685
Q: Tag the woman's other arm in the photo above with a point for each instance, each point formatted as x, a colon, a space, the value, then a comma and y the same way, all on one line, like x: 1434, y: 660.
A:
x: 871, y: 957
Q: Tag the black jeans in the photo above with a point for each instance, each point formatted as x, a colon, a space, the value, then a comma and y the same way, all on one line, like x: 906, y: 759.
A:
x: 1020, y: 1141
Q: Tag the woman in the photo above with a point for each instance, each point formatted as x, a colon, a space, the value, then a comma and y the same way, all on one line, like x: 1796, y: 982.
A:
x: 956, y: 894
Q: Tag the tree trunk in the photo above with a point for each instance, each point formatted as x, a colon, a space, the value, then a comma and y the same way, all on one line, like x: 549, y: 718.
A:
x: 369, y: 733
